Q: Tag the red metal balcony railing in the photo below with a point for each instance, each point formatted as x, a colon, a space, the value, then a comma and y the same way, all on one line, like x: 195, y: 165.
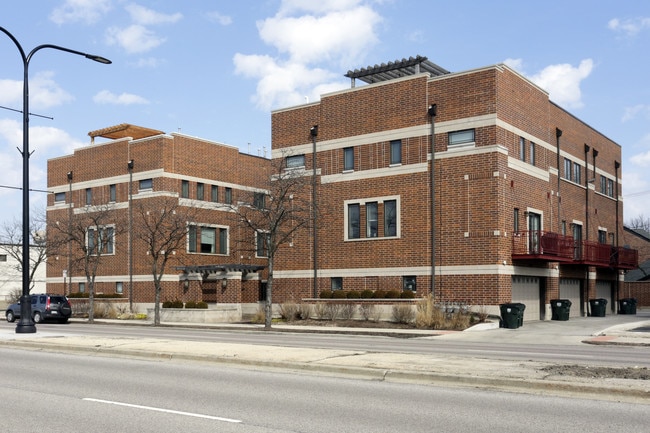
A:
x: 624, y: 258
x: 594, y: 253
x: 549, y: 246
x: 538, y: 244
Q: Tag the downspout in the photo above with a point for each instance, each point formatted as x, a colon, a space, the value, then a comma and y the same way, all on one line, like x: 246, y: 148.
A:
x: 558, y: 134
x: 617, y: 165
x: 432, y: 112
x: 314, y: 133
x: 587, y: 148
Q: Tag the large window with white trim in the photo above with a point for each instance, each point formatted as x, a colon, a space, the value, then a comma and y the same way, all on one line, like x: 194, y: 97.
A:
x: 207, y: 239
x: 100, y: 240
x: 372, y: 218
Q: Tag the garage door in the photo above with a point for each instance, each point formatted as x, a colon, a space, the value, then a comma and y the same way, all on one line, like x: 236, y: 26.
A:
x: 604, y: 290
x: 570, y: 289
x: 526, y: 291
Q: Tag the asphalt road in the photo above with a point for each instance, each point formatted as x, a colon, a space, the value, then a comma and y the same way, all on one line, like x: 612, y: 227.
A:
x: 71, y: 393
x: 547, y: 344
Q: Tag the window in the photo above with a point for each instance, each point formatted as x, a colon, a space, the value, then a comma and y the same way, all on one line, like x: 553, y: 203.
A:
x: 89, y: 196
x: 396, y: 152
x: 259, y: 200
x: 577, y: 242
x: 59, y: 197
x: 354, y: 222
x: 531, y: 152
x: 112, y: 193
x: 371, y: 220
x: 228, y: 195
x: 602, y: 236
x: 214, y: 193
x: 119, y: 287
x: 603, y: 184
x: 336, y: 283
x: 461, y: 137
x: 3, y: 257
x: 610, y: 187
x: 409, y: 283
x: 577, y: 173
x: 515, y: 225
x: 199, y: 190
x: 145, y: 184
x: 295, y: 161
x: 567, y: 168
x: 207, y: 239
x: 82, y: 287
x: 375, y: 218
x: 348, y: 158
x: 390, y: 218
x: 522, y: 148
x: 564, y: 227
x: 100, y: 241
x: 185, y: 189
x: 262, y: 244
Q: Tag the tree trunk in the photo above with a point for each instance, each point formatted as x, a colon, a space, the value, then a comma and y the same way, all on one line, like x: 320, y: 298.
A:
x: 156, y: 308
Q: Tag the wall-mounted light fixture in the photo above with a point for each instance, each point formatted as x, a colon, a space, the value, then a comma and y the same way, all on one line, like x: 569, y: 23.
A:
x: 224, y: 283
x: 186, y: 285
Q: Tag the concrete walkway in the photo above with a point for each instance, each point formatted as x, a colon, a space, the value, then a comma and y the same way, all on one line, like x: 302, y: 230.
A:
x: 518, y: 376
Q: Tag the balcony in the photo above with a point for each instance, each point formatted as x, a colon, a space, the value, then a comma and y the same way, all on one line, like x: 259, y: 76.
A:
x: 624, y: 258
x: 593, y: 253
x: 541, y: 245
x: 555, y: 247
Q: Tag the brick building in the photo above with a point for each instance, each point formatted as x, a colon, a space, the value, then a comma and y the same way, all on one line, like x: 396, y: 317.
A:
x: 131, y: 174
x: 526, y: 197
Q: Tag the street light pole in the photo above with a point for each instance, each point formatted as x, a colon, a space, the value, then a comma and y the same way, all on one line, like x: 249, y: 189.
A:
x: 26, y: 324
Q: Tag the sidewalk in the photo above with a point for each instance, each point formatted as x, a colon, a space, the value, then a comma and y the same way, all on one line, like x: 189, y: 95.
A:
x: 467, y: 371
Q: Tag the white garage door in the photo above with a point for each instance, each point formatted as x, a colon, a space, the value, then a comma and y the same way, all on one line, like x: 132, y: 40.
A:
x: 570, y: 289
x: 604, y: 290
x: 526, y: 291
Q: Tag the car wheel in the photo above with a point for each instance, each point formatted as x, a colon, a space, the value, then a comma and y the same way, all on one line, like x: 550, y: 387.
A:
x: 10, y: 316
x: 37, y: 317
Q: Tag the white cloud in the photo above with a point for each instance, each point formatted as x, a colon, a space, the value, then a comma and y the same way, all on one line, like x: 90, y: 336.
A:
x: 330, y: 33
x: 630, y: 26
x: 134, y: 39
x: 107, y: 97
x: 633, y: 112
x: 86, y: 11
x: 561, y: 81
x: 44, y: 92
x: 218, y: 18
x: 142, y: 15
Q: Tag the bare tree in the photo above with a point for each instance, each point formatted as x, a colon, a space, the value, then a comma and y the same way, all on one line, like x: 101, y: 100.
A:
x: 11, y: 242
x: 275, y: 215
x: 162, y: 225
x: 92, y: 232
x: 639, y: 222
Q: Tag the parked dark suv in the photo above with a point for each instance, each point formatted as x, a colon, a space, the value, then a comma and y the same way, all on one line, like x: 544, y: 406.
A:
x: 44, y: 307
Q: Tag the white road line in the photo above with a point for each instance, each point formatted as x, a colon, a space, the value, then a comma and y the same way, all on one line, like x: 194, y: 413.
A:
x: 157, y: 409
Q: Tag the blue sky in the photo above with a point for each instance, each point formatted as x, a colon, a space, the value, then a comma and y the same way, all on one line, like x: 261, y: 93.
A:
x: 215, y: 69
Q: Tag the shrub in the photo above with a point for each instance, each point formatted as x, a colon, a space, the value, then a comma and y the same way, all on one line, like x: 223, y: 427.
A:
x: 86, y: 295
x: 365, y: 310
x: 259, y: 316
x: 196, y: 305
x: 347, y: 311
x: 304, y: 311
x: 428, y: 315
x: 379, y: 294
x: 320, y: 310
x: 332, y: 311
x: 407, y: 294
x: 366, y: 294
x: 289, y: 311
x: 392, y: 294
x: 339, y: 294
x: 326, y: 294
x: 403, y: 314
x: 172, y: 304
x: 354, y: 294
